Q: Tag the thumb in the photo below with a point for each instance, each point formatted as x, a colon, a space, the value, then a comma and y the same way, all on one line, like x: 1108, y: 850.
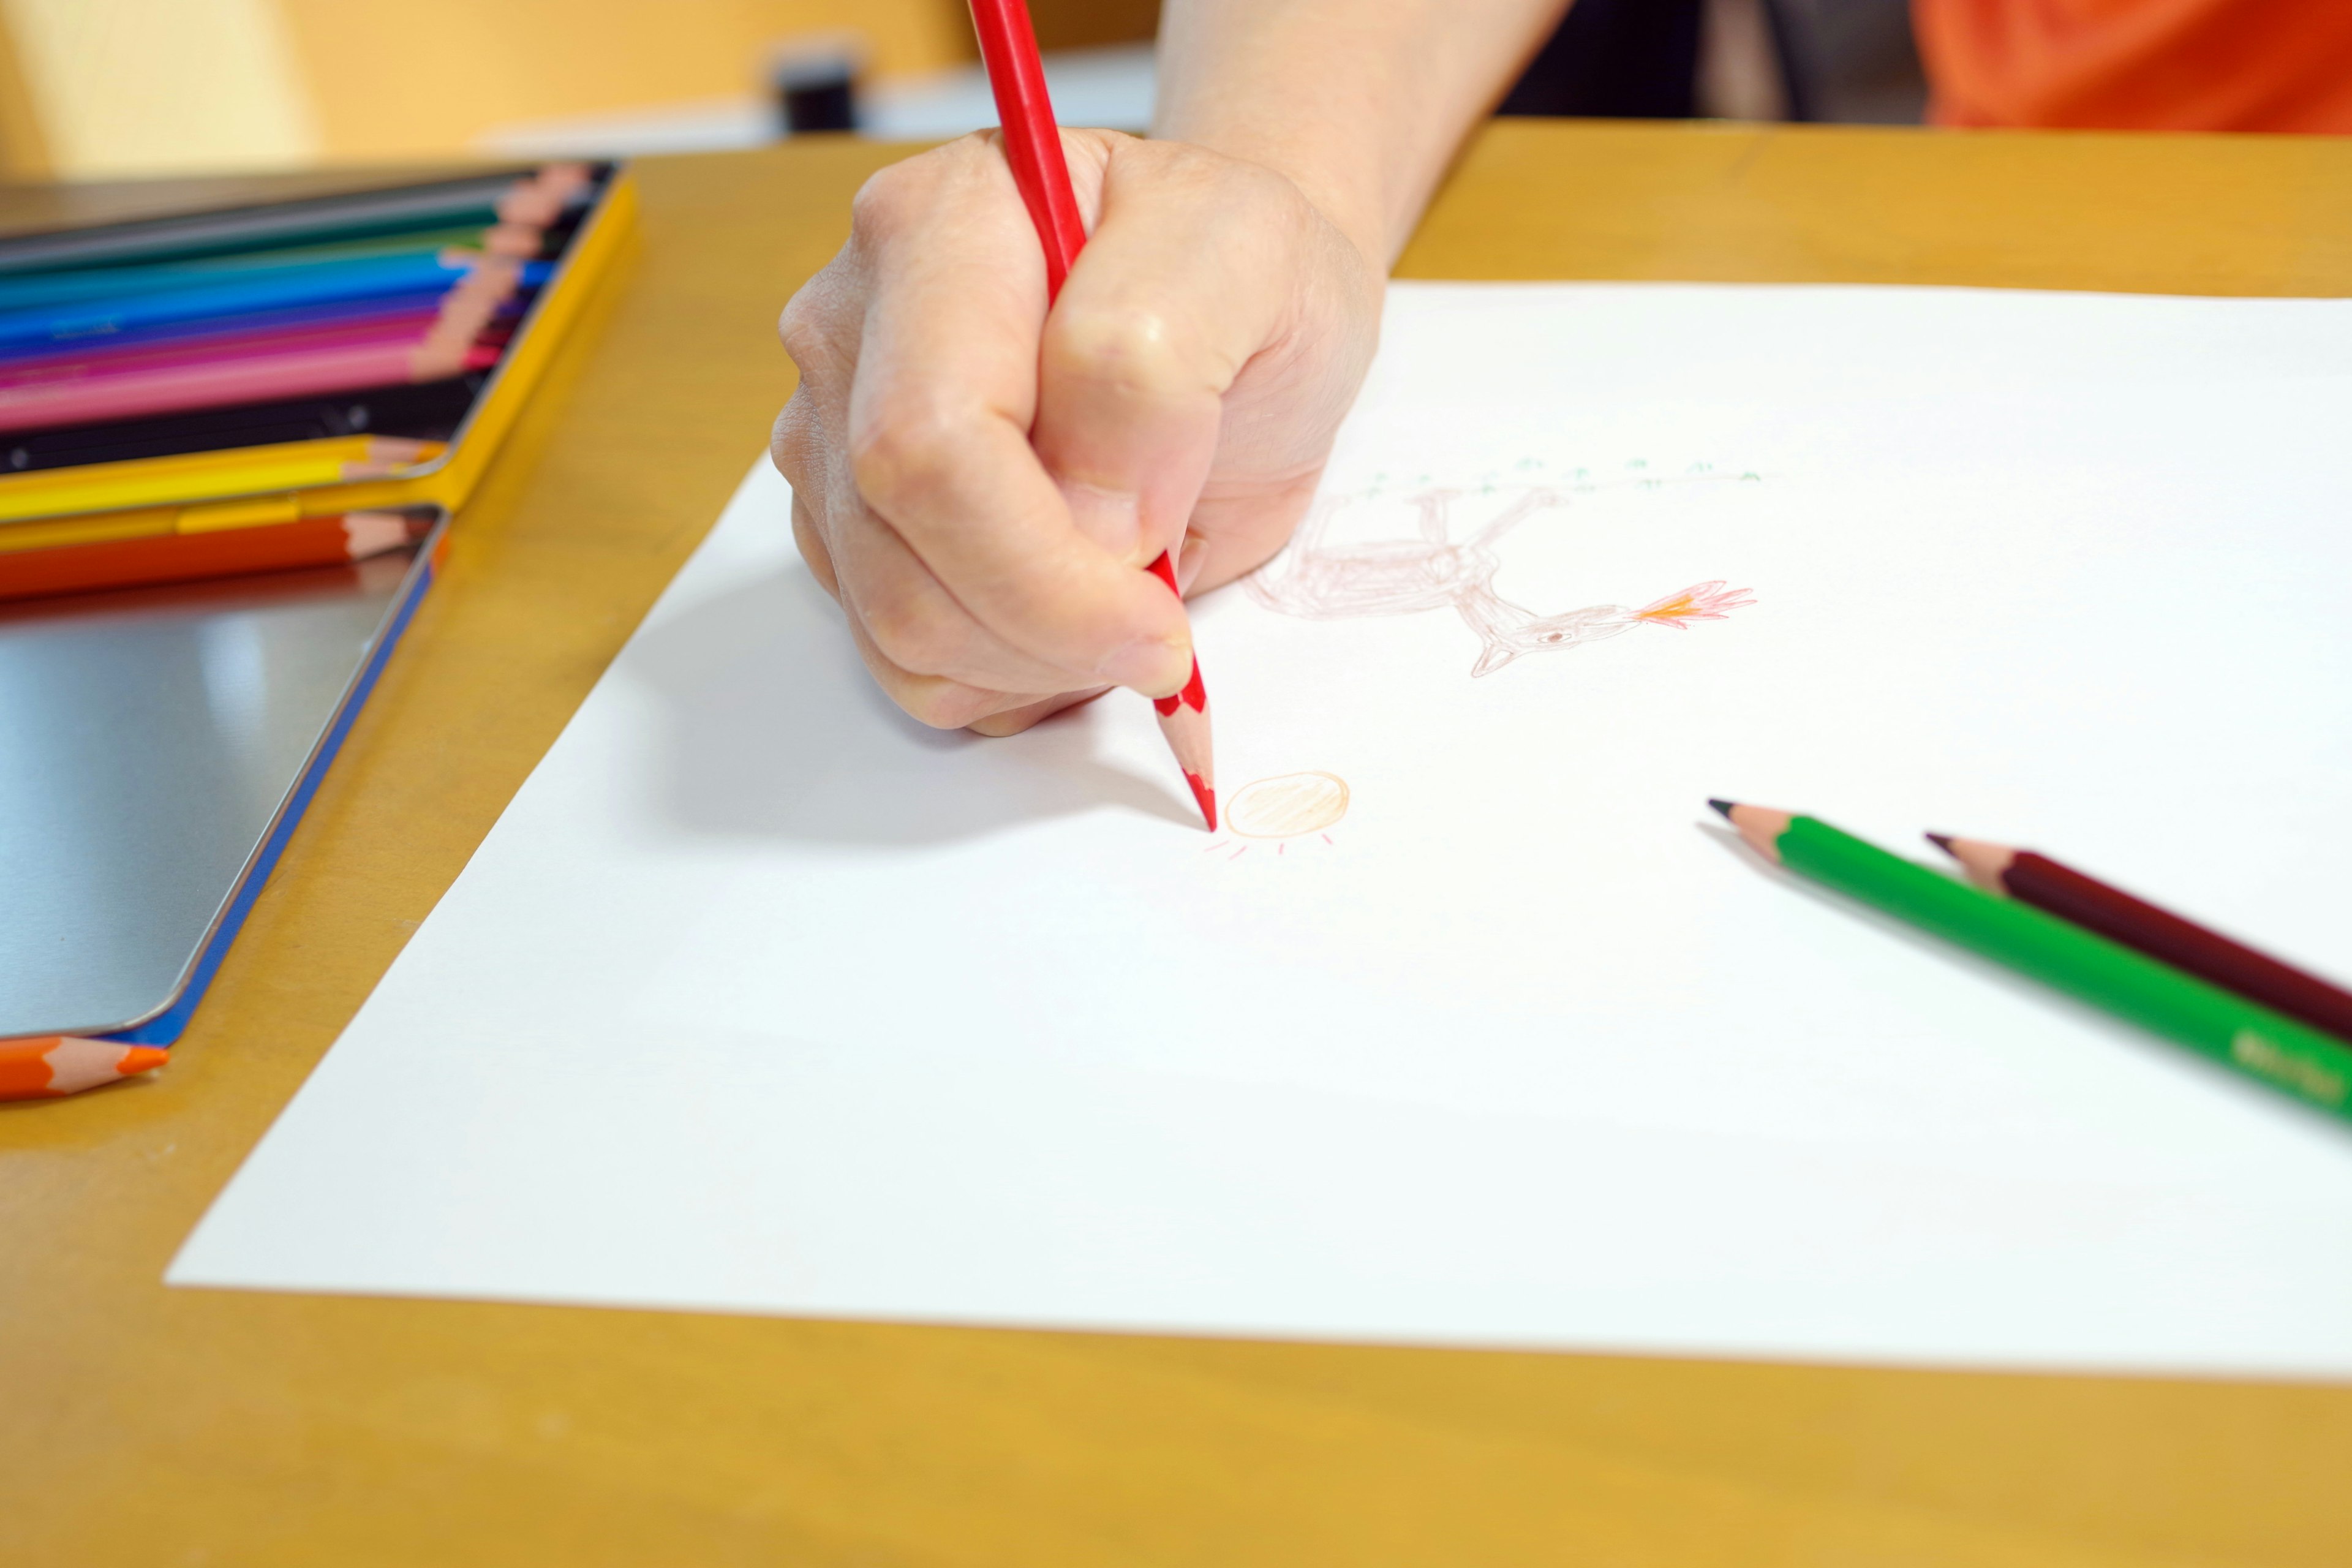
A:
x: 1180, y: 285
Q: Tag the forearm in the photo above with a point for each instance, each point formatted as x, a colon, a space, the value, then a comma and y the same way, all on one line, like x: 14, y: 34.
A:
x: 1360, y: 102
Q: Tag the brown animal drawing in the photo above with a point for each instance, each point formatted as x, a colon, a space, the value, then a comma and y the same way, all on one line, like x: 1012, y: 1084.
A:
x: 1319, y: 579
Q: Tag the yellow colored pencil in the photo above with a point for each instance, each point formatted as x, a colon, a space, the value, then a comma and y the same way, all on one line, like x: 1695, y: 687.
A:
x: 200, y: 476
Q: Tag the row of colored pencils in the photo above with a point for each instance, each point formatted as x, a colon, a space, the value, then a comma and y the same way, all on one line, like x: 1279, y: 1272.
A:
x: 2269, y: 1020
x: 195, y: 320
x: 185, y: 339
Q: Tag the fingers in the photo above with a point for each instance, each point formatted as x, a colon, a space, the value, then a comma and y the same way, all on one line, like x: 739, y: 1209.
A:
x: 1232, y: 535
x: 911, y: 625
x: 973, y: 680
x: 925, y: 649
x: 939, y: 449
x: 918, y: 625
x: 1202, y: 355
x: 811, y: 542
x: 934, y: 699
x: 1012, y: 720
x: 979, y: 483
x: 1187, y: 276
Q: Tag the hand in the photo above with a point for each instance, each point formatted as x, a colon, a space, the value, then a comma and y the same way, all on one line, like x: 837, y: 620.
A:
x: 980, y: 485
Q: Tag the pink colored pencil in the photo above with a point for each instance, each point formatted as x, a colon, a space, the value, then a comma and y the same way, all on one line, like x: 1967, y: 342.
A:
x: 134, y: 393
x: 84, y: 360
x: 1032, y: 145
x: 295, y: 363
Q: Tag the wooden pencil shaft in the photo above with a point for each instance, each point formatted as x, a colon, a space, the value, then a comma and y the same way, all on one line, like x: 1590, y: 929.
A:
x: 50, y: 1067
x: 317, y: 218
x: 189, y: 557
x: 44, y: 327
x: 72, y: 364
x: 313, y: 372
x: 94, y: 283
x: 2050, y: 885
x: 2215, y: 1023
x: 166, y: 481
x: 1032, y: 145
x: 426, y: 410
x: 196, y: 332
x: 1032, y: 139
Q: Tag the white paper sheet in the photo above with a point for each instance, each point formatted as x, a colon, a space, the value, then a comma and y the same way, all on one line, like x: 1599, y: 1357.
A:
x: 762, y: 998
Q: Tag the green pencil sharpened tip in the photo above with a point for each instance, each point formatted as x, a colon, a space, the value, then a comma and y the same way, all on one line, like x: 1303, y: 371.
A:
x: 1942, y: 841
x: 1723, y: 807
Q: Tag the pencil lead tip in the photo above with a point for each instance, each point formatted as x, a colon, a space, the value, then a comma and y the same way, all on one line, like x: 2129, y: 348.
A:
x: 1942, y: 841
x: 1723, y: 807
x: 1204, y: 795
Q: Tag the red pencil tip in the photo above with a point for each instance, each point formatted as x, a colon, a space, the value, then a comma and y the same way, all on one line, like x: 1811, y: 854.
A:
x: 1205, y: 797
x: 1942, y: 841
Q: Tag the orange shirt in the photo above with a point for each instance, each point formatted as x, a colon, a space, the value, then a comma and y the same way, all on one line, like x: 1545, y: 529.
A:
x: 2154, y: 65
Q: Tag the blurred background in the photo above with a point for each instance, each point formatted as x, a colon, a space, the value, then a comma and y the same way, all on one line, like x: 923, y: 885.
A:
x: 116, y: 88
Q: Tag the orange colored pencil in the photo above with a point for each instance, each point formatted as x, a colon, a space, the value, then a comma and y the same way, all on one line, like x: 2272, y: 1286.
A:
x: 49, y: 1067
x: 185, y: 557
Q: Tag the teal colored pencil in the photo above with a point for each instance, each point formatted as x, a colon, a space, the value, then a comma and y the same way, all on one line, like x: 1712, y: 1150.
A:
x: 52, y: 288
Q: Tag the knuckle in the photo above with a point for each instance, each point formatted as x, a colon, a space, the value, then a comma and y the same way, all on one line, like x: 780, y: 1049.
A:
x: 901, y: 455
x: 796, y: 442
x: 879, y: 202
x: 892, y: 195
x: 908, y: 626
x: 813, y: 328
x: 1126, y: 350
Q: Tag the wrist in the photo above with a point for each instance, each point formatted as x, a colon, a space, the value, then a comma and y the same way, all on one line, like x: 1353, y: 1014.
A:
x: 1346, y: 196
x: 1359, y: 106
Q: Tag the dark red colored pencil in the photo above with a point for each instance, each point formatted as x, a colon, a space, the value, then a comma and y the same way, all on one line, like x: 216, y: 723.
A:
x: 1032, y: 145
x: 2058, y: 888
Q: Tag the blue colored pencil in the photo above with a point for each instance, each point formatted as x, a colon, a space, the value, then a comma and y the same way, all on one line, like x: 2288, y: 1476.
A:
x: 116, y: 282
x: 328, y: 312
x: 24, y: 330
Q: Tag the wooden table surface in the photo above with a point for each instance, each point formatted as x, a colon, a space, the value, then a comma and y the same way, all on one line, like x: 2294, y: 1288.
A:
x: 145, y: 1425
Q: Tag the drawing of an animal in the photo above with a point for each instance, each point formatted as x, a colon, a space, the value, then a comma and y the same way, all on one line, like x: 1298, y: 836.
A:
x: 1318, y: 579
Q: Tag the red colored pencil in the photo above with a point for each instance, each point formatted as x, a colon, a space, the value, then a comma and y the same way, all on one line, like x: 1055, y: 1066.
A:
x: 1033, y: 144
x: 2058, y: 888
x: 48, y: 1066
x: 226, y: 553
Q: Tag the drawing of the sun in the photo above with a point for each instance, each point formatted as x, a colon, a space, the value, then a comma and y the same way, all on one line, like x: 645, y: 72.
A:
x: 1281, y: 809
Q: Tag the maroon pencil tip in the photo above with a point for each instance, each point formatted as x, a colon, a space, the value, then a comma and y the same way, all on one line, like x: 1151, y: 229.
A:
x: 1942, y: 841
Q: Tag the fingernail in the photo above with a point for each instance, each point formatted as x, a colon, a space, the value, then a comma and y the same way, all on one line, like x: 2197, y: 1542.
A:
x: 1150, y: 666
x: 1190, y: 560
x: 1112, y: 519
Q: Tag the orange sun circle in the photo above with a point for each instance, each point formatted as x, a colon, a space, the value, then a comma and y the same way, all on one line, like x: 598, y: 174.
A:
x: 1287, y: 806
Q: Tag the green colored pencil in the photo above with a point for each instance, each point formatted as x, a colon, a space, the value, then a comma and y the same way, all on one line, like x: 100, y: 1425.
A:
x: 2213, y: 1022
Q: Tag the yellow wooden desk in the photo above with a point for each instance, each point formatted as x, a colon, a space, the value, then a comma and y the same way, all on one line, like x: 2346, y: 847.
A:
x: 175, y: 1427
